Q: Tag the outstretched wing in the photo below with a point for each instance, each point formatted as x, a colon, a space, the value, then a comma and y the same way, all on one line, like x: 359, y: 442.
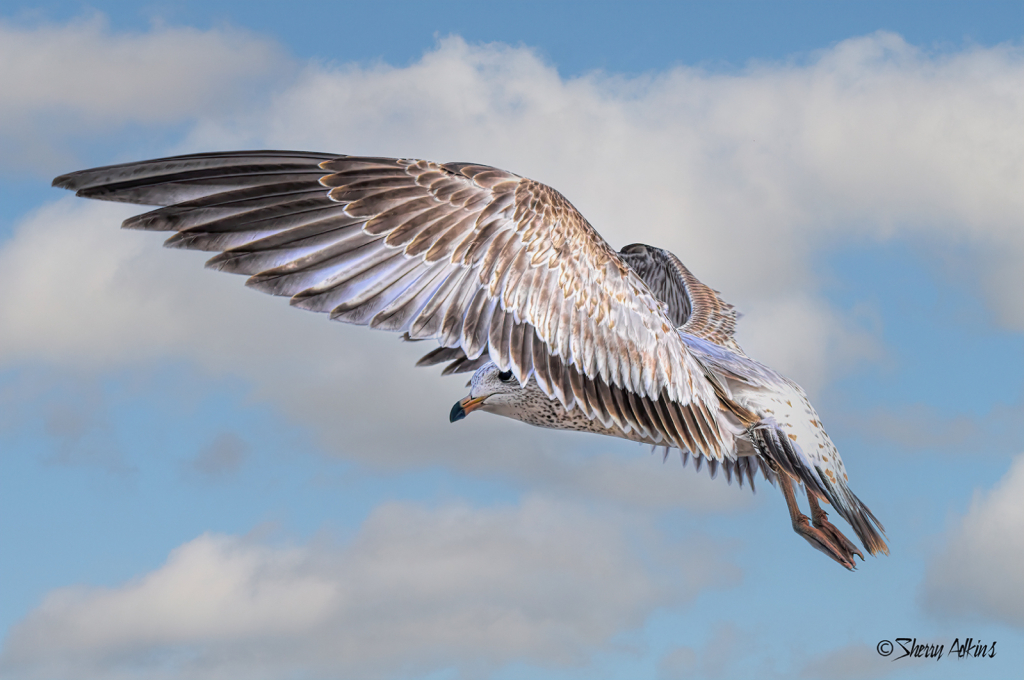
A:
x: 693, y: 307
x: 477, y: 258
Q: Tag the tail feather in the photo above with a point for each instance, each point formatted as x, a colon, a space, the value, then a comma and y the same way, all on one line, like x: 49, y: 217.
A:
x: 867, y: 527
x: 772, y: 444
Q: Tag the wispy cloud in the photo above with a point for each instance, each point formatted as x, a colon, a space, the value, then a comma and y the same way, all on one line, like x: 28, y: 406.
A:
x: 977, y: 573
x: 713, y: 660
x: 220, y: 458
x: 855, y: 661
x: 69, y: 413
x: 920, y: 427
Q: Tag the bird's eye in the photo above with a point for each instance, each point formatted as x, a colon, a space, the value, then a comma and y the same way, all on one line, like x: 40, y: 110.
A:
x: 505, y: 376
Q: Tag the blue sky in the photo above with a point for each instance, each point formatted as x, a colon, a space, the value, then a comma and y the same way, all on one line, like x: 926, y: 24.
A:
x: 199, y: 481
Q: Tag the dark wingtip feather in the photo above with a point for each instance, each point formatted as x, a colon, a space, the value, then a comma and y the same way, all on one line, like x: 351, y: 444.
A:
x: 441, y: 355
x: 63, y: 182
x: 105, y: 182
x: 229, y: 262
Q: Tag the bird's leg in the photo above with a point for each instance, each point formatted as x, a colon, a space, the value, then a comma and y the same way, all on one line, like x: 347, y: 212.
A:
x: 816, y: 537
x: 820, y: 519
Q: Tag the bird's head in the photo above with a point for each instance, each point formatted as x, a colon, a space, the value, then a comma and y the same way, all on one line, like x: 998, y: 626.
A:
x: 498, y: 392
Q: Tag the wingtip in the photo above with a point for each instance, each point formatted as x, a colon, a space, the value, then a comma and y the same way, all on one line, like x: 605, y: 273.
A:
x: 63, y: 182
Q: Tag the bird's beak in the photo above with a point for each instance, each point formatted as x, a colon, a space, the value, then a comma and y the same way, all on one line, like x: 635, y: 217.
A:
x: 464, y: 408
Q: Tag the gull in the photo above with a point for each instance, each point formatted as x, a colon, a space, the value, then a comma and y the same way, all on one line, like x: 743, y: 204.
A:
x: 514, y: 284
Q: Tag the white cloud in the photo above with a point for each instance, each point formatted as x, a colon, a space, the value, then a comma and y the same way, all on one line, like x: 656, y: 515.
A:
x: 746, y: 176
x: 416, y: 590
x: 70, y: 78
x: 977, y: 573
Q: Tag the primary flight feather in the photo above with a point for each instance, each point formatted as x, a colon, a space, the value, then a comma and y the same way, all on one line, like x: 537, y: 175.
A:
x: 513, y: 283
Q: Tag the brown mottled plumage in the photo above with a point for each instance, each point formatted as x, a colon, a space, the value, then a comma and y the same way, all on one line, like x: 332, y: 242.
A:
x: 513, y: 283
x: 475, y: 257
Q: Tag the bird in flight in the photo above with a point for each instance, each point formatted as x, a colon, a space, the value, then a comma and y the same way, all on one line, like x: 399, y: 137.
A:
x: 560, y: 330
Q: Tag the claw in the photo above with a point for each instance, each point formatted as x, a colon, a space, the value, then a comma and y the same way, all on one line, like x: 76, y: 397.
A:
x: 822, y: 536
x: 820, y: 519
x: 824, y: 542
